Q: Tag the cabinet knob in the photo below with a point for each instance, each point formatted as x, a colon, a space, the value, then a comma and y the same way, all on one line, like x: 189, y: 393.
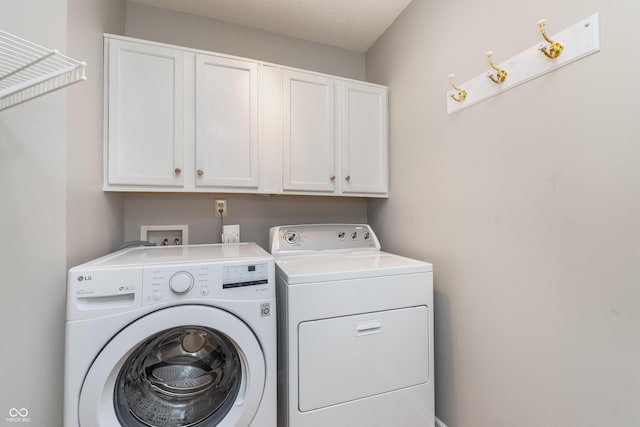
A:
x: 200, y: 172
x: 178, y: 171
x: 348, y: 177
x: 332, y: 177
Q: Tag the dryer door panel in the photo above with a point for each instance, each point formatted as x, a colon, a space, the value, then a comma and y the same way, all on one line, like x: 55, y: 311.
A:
x: 352, y: 357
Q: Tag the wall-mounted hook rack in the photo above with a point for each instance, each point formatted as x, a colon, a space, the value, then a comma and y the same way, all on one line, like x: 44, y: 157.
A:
x: 580, y: 40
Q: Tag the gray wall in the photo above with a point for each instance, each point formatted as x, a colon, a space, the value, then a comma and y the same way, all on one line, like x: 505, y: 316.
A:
x: 528, y: 206
x: 94, y: 218
x: 53, y: 212
x: 32, y: 258
x: 255, y: 214
x: 182, y: 29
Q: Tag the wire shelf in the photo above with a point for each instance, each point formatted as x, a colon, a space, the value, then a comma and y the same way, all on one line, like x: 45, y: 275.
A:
x: 28, y: 70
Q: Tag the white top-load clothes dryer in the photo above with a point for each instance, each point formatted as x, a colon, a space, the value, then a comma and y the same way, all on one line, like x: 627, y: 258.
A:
x: 172, y: 336
x: 355, y: 330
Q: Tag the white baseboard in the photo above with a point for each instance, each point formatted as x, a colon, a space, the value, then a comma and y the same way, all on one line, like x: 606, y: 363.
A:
x: 440, y: 423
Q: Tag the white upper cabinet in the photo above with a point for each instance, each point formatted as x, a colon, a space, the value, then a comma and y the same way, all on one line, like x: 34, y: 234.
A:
x: 309, y: 132
x: 145, y: 115
x: 226, y: 140
x: 364, y: 139
x: 185, y: 120
x: 335, y: 136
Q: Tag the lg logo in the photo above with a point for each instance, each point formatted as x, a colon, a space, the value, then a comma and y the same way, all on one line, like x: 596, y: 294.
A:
x: 18, y: 416
x: 81, y: 278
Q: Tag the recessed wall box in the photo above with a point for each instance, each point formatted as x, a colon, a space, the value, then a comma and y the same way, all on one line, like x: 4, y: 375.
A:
x: 165, y: 235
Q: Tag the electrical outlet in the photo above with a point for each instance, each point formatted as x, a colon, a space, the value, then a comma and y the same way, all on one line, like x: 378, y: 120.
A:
x: 220, y: 208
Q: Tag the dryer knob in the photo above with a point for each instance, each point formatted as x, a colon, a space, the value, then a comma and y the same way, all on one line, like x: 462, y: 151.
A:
x: 181, y: 282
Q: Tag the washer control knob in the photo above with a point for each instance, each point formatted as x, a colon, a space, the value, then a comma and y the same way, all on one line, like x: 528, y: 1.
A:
x: 181, y: 282
x: 367, y: 235
x: 354, y: 235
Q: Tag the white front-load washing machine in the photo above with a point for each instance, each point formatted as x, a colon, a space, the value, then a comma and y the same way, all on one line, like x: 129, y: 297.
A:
x: 172, y: 336
x: 355, y: 330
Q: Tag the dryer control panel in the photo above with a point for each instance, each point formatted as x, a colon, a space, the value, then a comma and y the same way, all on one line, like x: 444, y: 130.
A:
x: 313, y: 238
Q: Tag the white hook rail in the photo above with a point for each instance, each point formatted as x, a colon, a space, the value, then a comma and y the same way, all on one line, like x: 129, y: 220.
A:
x: 580, y: 40
x: 28, y: 70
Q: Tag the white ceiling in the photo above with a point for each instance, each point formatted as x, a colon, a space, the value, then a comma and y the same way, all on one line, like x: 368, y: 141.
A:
x: 349, y: 24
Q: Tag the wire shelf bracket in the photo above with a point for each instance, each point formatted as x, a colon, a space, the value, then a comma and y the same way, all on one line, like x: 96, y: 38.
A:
x: 28, y: 70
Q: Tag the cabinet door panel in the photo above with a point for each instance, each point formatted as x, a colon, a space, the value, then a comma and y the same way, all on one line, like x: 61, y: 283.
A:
x: 271, y: 130
x: 365, y: 159
x: 226, y: 122
x: 309, y: 132
x: 146, y: 114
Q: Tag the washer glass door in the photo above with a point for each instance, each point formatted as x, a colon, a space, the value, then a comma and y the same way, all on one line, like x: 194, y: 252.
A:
x: 187, y: 365
x: 179, y: 377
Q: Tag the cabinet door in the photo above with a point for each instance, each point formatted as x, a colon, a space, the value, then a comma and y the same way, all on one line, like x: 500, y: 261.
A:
x: 226, y: 122
x: 364, y: 150
x: 309, y: 132
x: 145, y: 114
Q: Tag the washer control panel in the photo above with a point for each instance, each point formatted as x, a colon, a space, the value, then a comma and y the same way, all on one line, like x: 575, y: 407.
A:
x: 239, y: 276
x: 291, y: 239
x: 213, y: 281
x: 147, y: 277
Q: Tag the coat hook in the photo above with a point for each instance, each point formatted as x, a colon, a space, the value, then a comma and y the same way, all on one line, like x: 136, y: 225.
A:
x: 462, y: 94
x: 501, y: 76
x: 555, y: 49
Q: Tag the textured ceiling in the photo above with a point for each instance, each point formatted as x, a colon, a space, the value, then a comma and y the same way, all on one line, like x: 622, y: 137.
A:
x: 349, y: 24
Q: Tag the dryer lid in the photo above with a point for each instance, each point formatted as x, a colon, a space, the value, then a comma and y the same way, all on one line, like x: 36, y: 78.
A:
x: 345, y: 266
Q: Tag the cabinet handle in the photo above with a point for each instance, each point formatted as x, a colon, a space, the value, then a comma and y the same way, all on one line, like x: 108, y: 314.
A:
x: 348, y: 177
x: 178, y: 171
x: 200, y: 172
x: 332, y: 177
